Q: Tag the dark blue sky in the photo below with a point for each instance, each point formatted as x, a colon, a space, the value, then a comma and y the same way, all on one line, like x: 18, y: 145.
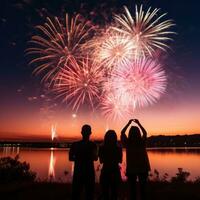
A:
x: 17, y: 21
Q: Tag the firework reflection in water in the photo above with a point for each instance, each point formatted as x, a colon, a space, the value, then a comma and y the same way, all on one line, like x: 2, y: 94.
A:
x: 52, y: 162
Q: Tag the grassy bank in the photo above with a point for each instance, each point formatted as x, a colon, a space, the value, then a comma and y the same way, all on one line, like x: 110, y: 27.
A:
x: 18, y: 182
x: 50, y: 191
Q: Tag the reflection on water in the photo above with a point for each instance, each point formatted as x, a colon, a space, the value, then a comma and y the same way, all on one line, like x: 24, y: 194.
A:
x: 10, y: 151
x: 53, y: 164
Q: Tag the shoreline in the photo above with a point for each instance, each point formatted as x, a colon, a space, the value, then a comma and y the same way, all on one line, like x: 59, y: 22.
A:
x: 159, y: 141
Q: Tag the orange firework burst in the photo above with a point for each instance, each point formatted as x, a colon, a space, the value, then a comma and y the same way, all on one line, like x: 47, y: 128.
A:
x: 80, y: 83
x: 57, y: 43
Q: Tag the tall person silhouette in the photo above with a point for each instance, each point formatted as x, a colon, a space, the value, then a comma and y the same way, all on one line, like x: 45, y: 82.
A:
x: 110, y: 154
x: 137, y: 162
x: 83, y: 153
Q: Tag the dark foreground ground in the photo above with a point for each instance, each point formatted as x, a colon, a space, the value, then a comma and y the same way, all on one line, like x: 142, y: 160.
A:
x: 51, y: 191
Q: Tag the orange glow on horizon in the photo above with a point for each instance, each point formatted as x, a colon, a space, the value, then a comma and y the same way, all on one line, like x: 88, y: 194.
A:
x: 166, y: 120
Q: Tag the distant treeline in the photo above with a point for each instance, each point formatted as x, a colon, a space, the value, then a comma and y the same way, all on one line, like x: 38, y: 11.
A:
x: 35, y: 144
x: 174, y: 141
x: 153, y: 141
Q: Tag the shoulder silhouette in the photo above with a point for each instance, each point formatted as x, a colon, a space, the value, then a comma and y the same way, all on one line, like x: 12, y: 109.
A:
x: 110, y: 155
x: 137, y: 162
x: 83, y: 153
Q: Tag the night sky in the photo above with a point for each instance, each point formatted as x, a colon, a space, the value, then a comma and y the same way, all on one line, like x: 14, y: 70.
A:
x: 27, y: 111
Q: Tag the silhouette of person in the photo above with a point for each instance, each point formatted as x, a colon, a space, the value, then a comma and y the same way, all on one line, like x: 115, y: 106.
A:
x: 83, y: 153
x: 137, y: 162
x: 110, y: 154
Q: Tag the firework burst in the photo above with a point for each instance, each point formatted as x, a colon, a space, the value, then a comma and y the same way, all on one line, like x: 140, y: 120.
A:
x: 57, y: 43
x: 112, y: 107
x: 113, y: 49
x: 79, y: 83
x: 138, y: 84
x: 111, y: 68
x: 146, y: 29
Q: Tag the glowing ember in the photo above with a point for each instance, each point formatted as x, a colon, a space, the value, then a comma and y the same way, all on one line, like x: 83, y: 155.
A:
x: 74, y: 115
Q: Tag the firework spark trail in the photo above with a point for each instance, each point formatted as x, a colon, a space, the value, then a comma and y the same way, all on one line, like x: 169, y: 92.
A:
x: 80, y: 82
x: 53, y: 132
x: 112, y: 49
x: 57, y: 44
x: 145, y: 28
x: 138, y: 84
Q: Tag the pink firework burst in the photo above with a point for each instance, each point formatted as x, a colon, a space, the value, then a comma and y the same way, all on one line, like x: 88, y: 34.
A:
x: 80, y: 83
x: 138, y: 84
x: 112, y: 107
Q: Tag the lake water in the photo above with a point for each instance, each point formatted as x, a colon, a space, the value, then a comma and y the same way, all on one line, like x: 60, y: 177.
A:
x: 53, y: 164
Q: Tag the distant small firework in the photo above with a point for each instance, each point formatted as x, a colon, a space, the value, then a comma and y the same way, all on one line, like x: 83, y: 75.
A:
x: 113, y: 49
x: 79, y: 83
x: 57, y: 43
x: 138, y: 84
x: 53, y: 132
x: 145, y: 28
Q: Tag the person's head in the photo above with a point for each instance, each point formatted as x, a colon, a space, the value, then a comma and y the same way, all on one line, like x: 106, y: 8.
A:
x: 110, y: 138
x: 86, y: 131
x: 134, y: 134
